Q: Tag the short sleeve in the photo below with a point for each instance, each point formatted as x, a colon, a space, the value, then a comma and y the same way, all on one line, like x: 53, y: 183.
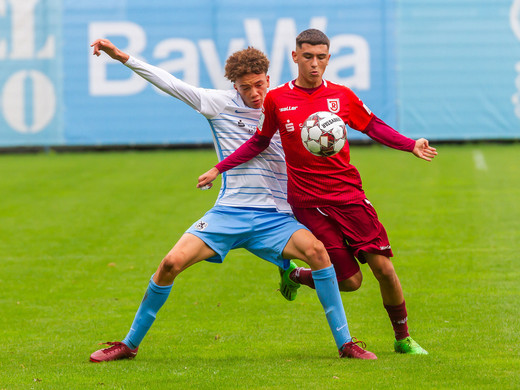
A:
x: 267, y: 125
x: 359, y: 114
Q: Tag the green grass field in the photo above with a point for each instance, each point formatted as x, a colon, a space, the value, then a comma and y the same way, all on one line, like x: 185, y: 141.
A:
x: 80, y: 235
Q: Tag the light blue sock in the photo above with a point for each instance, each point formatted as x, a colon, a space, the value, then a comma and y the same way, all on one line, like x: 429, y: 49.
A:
x: 153, y: 300
x: 330, y: 298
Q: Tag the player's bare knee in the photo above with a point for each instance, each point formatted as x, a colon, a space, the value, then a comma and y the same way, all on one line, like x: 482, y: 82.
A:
x: 317, y: 256
x: 351, y: 284
x: 171, y: 265
x: 385, y: 272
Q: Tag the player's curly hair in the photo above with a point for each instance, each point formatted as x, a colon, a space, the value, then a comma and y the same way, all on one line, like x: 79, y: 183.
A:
x: 313, y: 37
x: 246, y: 61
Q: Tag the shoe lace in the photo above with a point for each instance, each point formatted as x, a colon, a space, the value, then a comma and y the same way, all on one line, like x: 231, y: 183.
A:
x: 113, y: 345
x: 358, y: 343
x: 354, y: 344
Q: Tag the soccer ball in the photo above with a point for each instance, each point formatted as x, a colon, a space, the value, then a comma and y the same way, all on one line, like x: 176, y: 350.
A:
x: 324, y: 134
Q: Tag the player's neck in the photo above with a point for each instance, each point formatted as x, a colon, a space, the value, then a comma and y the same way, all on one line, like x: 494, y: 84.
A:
x: 310, y: 90
x: 308, y: 84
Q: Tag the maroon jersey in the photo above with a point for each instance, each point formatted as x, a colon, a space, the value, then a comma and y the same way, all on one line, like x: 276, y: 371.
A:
x: 315, y: 181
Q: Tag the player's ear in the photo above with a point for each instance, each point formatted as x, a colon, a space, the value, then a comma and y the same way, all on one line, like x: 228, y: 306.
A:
x: 235, y: 86
x: 294, y: 57
x: 267, y: 78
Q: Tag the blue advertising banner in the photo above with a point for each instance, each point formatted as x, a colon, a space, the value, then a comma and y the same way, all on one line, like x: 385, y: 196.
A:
x: 459, y: 69
x: 98, y: 101
x: 31, y: 80
x: 441, y: 70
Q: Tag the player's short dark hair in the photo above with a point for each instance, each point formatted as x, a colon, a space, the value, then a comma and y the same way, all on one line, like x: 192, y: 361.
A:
x: 313, y: 37
x: 246, y: 61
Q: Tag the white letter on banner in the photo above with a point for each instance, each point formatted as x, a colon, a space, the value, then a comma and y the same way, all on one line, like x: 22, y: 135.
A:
x: 44, y: 101
x: 23, y: 32
x: 359, y: 60
x: 188, y: 63
x: 210, y: 58
x: 514, y: 18
x: 515, y: 99
x: 99, y: 85
x: 284, y: 42
x: 255, y: 34
x: 3, y: 43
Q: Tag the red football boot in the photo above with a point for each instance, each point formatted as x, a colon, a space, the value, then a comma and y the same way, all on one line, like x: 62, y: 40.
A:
x: 118, y: 350
x: 354, y: 351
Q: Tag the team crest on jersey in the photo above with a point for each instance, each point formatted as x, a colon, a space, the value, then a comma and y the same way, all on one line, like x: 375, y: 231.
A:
x: 333, y: 105
x: 201, y: 225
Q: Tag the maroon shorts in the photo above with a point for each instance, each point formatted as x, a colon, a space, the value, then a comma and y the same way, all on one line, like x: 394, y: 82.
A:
x: 346, y: 231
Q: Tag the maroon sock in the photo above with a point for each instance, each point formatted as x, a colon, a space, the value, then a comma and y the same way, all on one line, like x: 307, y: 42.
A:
x: 399, y: 318
x: 303, y: 276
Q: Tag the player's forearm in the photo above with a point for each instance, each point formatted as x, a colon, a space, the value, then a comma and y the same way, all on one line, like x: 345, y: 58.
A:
x: 250, y: 149
x: 166, y: 82
x: 379, y: 131
x: 120, y: 56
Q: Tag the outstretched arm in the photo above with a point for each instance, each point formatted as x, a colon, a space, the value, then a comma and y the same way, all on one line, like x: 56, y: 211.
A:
x: 379, y: 131
x: 207, y: 102
x: 108, y: 47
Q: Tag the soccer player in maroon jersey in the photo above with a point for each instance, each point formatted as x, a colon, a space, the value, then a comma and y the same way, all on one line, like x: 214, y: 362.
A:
x: 326, y: 193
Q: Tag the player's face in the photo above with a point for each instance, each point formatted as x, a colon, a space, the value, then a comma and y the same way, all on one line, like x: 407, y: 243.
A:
x: 253, y: 88
x: 312, y: 60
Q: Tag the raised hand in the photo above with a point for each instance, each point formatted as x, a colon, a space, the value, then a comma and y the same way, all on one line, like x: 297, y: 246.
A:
x: 423, y: 150
x: 108, y: 47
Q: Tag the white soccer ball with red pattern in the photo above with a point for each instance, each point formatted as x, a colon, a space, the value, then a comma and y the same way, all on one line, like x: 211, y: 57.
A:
x: 324, y: 134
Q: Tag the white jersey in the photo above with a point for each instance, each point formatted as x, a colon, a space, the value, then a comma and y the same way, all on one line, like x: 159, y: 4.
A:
x: 260, y: 182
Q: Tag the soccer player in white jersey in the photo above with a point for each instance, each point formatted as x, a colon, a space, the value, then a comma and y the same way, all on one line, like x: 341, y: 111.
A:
x: 255, y: 191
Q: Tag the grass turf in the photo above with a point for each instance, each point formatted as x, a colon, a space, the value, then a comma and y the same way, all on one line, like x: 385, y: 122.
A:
x: 82, y: 233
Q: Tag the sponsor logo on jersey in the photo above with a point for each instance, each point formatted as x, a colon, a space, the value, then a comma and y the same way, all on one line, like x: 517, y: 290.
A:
x: 289, y: 126
x: 333, y: 105
x: 289, y: 108
x: 367, y: 109
x: 240, y: 123
x: 201, y: 225
x: 241, y: 112
x: 384, y: 248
